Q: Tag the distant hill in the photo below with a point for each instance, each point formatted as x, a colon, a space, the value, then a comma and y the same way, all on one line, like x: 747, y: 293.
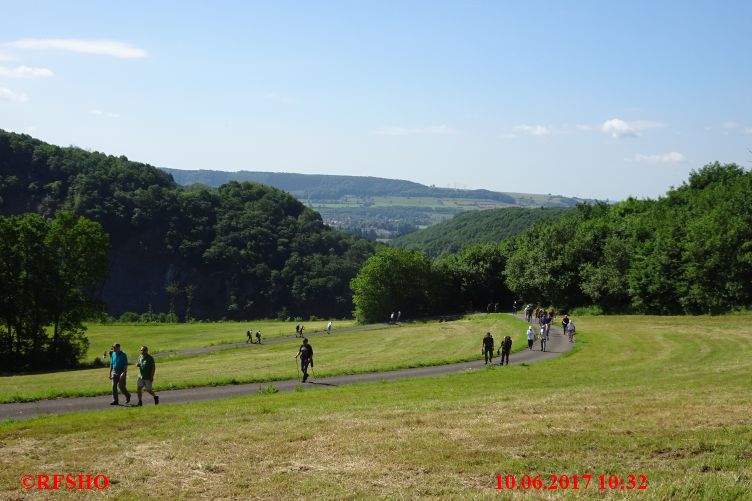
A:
x: 488, y: 226
x: 372, y: 206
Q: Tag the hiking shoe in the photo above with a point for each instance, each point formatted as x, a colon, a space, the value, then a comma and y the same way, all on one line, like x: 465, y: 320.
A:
x: 127, y: 400
x: 140, y: 404
x: 114, y: 402
x: 156, y: 399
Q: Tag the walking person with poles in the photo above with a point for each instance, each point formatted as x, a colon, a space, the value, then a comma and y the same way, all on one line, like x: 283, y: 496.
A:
x: 506, y: 349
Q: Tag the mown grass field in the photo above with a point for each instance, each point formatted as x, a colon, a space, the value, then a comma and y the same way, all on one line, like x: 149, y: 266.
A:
x: 669, y: 398
x: 409, y: 345
x: 166, y: 337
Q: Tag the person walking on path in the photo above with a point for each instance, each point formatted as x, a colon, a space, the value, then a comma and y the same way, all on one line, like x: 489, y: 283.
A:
x: 118, y: 373
x: 530, y: 337
x: 249, y: 335
x: 570, y: 331
x: 146, y: 368
x: 506, y: 349
x: 305, y: 354
x: 544, y: 337
x: 487, y: 348
x: 564, y: 322
x: 258, y: 337
x: 329, y: 327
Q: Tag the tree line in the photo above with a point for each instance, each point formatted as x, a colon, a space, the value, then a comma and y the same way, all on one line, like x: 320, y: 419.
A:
x: 688, y: 252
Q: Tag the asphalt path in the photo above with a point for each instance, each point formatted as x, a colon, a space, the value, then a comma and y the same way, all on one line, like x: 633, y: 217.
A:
x: 557, y: 345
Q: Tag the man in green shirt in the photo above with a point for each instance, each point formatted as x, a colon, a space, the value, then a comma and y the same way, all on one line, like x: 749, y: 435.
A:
x: 146, y: 368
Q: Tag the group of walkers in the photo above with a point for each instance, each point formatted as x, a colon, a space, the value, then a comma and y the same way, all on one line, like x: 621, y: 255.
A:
x: 395, y: 317
x: 249, y: 335
x: 119, y: 372
x: 147, y: 367
x: 545, y: 319
x: 487, y: 349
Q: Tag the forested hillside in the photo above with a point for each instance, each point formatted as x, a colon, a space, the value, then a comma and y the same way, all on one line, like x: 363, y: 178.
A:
x: 238, y: 251
x: 476, y: 227
x: 377, y: 208
x: 690, y: 251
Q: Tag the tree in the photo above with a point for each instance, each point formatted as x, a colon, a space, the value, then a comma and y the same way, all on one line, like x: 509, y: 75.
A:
x: 49, y: 272
x: 392, y: 280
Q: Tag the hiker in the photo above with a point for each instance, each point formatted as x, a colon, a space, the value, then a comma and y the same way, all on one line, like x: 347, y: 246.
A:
x: 146, y: 368
x: 258, y: 337
x: 514, y: 308
x: 391, y: 318
x: 487, y: 348
x: 564, y: 322
x: 305, y: 353
x: 570, y: 331
x: 543, y: 338
x: 506, y: 348
x: 118, y: 373
x: 301, y: 330
x: 530, y: 337
x: 297, y: 330
x: 329, y: 327
x: 399, y: 315
x: 528, y: 313
x: 249, y: 335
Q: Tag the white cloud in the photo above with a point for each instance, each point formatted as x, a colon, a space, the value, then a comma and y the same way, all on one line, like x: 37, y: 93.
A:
x: 24, y: 72
x: 105, y: 114
x: 618, y: 128
x: 672, y: 157
x: 435, y: 130
x: 100, y: 47
x: 731, y: 125
x: 748, y: 130
x: 4, y: 58
x: 532, y: 130
x: 9, y: 96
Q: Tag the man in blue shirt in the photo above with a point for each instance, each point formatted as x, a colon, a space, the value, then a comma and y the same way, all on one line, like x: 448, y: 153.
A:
x: 118, y: 371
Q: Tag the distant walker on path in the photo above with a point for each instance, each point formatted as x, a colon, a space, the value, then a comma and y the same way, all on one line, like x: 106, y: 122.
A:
x: 506, y: 349
x: 487, y: 348
x: 305, y: 354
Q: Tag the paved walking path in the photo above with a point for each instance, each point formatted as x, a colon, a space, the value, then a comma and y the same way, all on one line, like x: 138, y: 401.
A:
x: 557, y: 344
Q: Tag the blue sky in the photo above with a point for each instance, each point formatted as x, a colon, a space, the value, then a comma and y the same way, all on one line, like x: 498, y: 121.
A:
x: 599, y: 99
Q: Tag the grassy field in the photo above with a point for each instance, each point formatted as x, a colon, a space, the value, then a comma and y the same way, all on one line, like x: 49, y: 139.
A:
x: 410, y: 345
x: 166, y: 337
x: 668, y: 398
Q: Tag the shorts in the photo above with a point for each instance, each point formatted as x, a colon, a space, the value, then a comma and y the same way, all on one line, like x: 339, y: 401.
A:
x: 144, y: 383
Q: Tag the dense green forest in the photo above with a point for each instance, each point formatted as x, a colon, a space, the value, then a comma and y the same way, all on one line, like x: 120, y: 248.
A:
x: 239, y: 251
x: 690, y: 251
x: 467, y: 228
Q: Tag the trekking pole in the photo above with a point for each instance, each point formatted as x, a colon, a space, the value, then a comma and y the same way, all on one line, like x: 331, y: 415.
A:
x: 296, y: 367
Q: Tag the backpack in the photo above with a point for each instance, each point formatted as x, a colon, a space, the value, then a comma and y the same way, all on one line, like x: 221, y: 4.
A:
x: 305, y: 353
